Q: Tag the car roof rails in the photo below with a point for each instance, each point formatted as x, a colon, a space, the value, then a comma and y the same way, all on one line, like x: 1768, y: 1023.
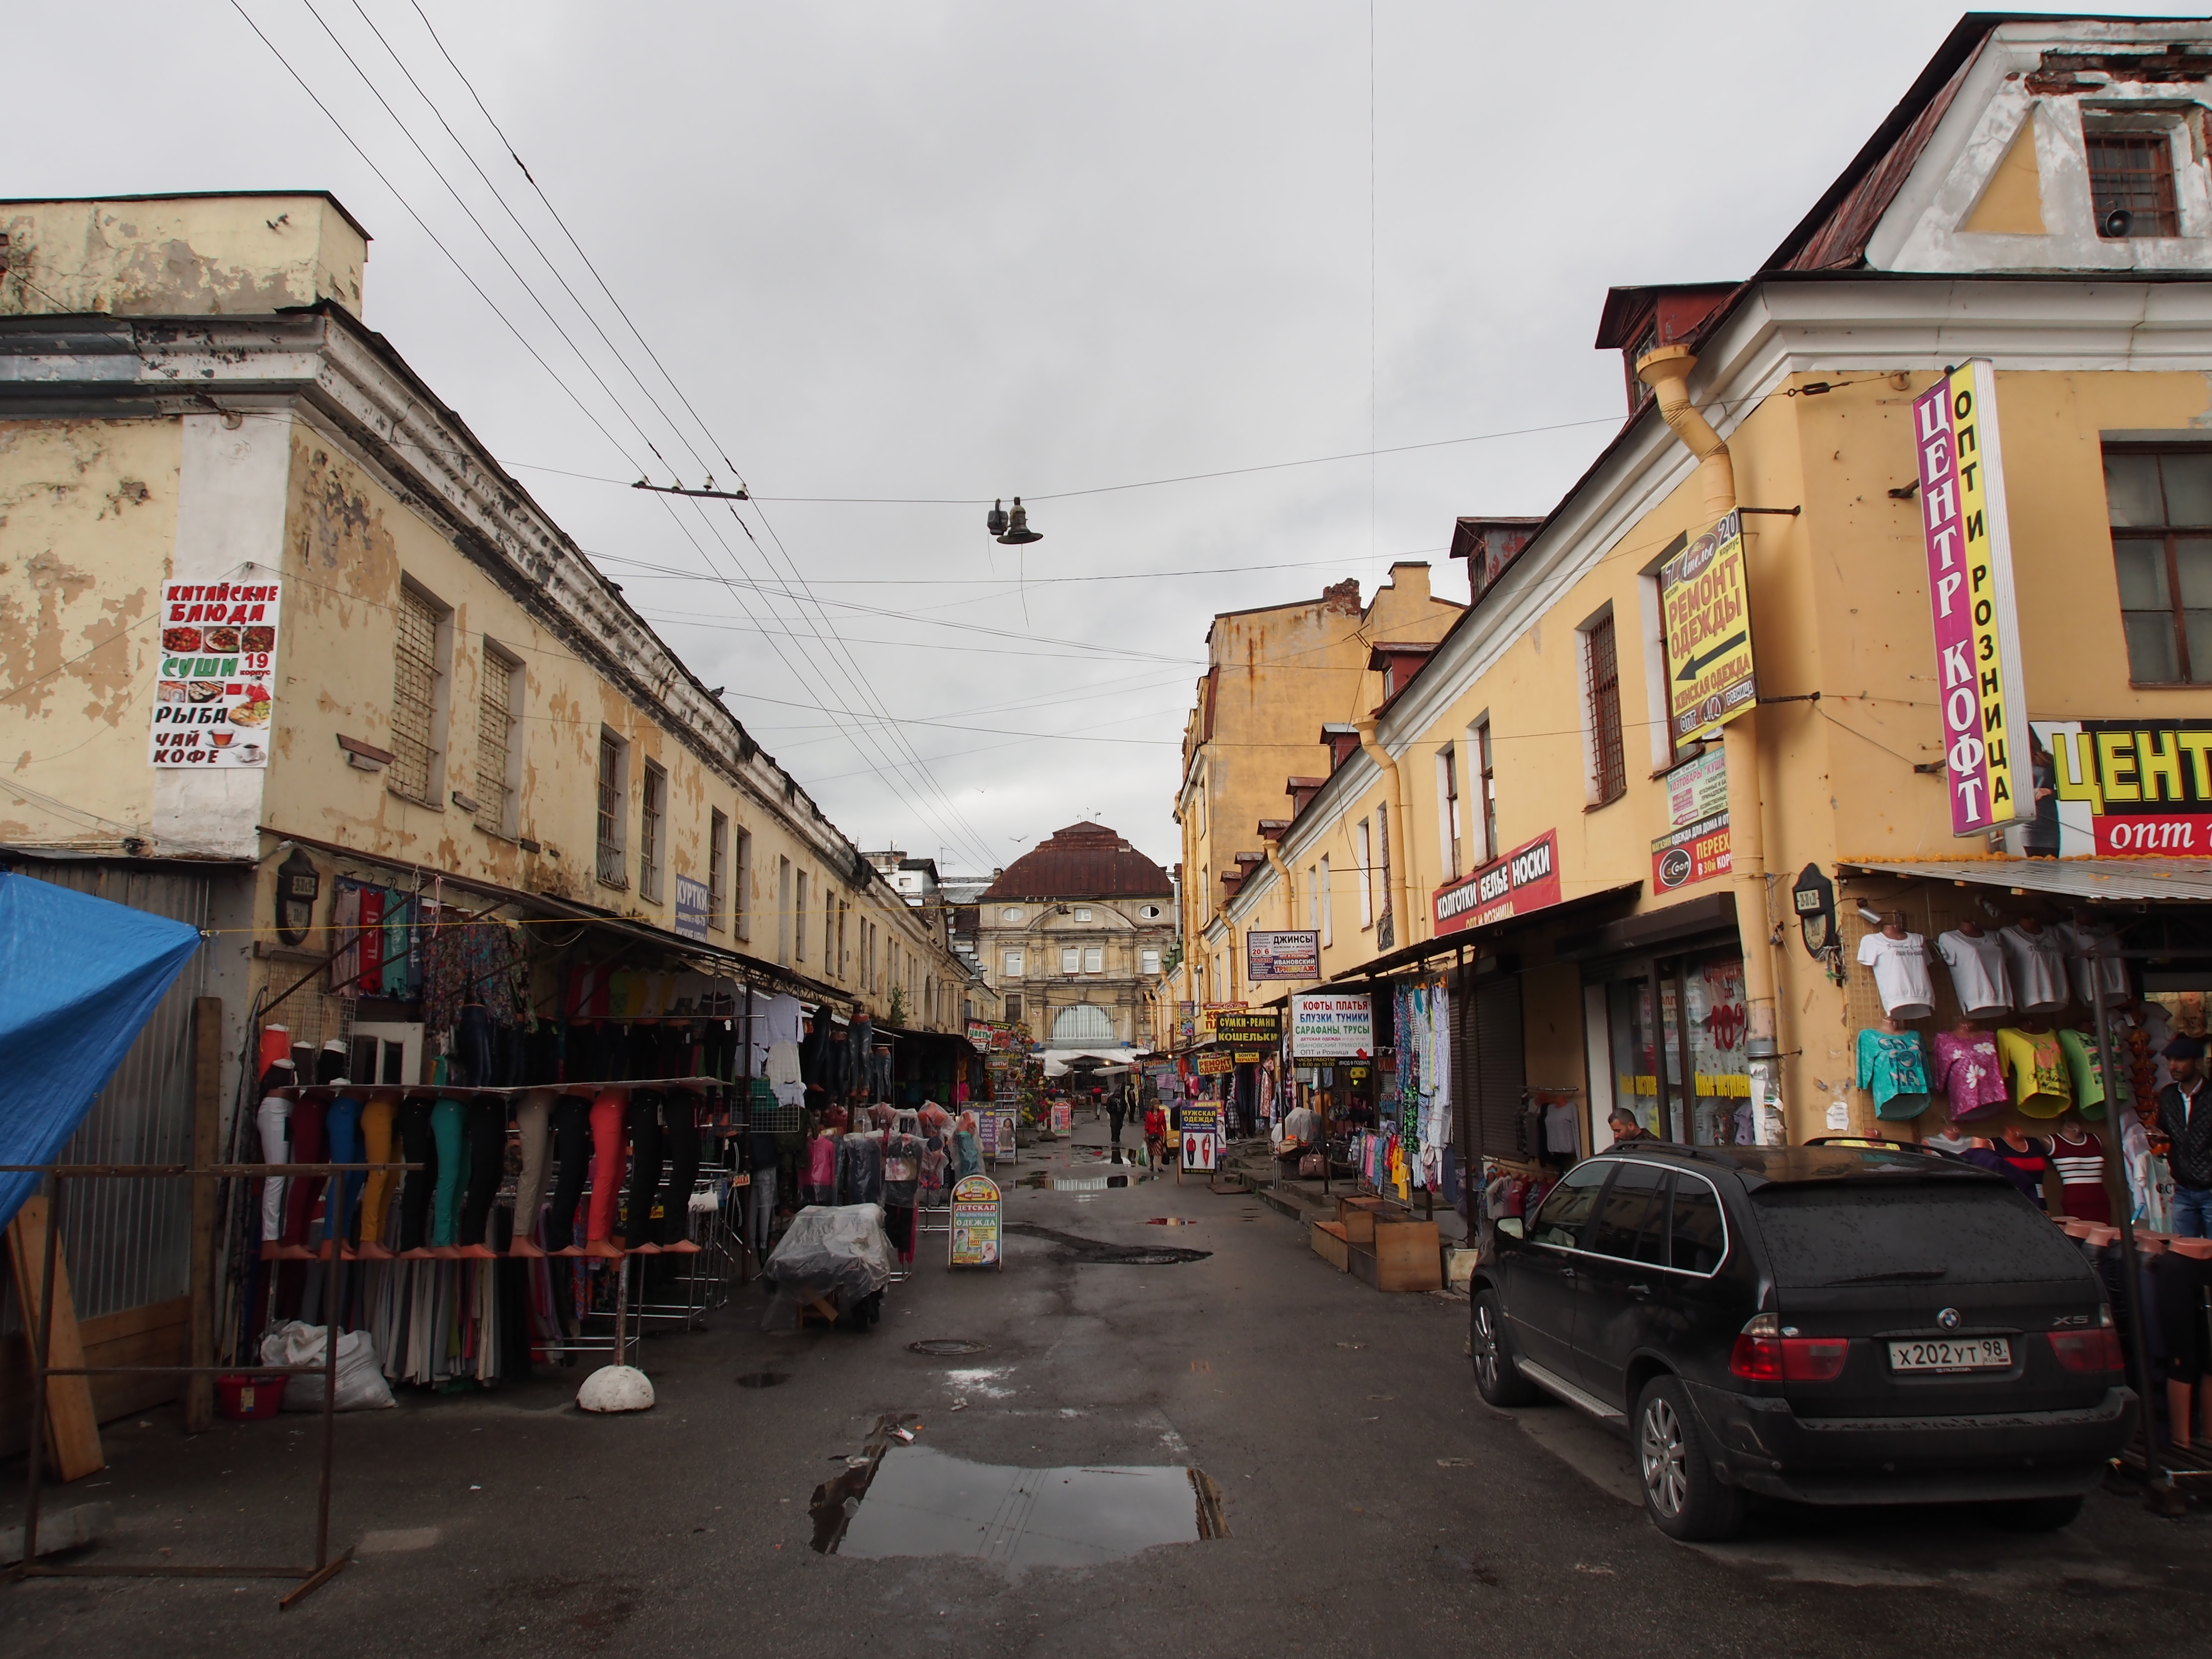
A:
x: 1709, y: 1154
x: 1876, y: 1143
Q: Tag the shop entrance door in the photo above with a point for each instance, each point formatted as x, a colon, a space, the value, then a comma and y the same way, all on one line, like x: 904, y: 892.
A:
x: 1677, y: 1035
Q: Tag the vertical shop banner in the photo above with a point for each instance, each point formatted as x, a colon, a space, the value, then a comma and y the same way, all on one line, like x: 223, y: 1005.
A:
x: 692, y: 905
x: 2122, y: 788
x: 1063, y: 1117
x: 1695, y: 847
x: 1704, y: 600
x: 1293, y: 955
x: 1526, y: 878
x: 213, y: 701
x: 1332, y: 1025
x: 1201, y: 1136
x: 1970, y: 599
x: 1008, y: 1146
x: 977, y: 1211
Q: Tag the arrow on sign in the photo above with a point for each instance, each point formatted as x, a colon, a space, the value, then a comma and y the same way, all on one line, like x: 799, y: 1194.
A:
x: 1697, y: 666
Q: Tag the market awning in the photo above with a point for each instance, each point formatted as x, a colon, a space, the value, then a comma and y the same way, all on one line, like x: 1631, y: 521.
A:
x: 1443, y: 944
x: 2095, y: 881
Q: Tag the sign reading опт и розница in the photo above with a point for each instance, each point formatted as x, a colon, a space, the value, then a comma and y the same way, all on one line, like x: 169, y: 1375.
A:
x: 1963, y: 523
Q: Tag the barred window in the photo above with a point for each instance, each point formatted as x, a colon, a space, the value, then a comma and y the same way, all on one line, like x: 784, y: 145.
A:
x: 416, y: 672
x: 2132, y: 183
x: 650, y: 834
x: 498, y: 746
x: 718, y: 871
x: 1608, y: 764
x: 614, y: 790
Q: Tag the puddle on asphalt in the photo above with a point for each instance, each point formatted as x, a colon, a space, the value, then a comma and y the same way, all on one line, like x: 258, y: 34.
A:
x: 922, y: 1502
x: 1098, y: 1183
x: 1097, y: 1252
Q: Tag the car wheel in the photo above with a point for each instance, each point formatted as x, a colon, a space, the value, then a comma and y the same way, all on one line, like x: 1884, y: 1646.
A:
x: 2033, y: 1514
x: 1683, y: 1497
x: 1495, y: 1375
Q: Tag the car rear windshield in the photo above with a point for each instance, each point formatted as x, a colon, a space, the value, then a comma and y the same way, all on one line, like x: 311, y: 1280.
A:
x: 1845, y: 1232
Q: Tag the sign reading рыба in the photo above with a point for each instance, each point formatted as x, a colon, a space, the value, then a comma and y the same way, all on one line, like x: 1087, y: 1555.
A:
x: 1962, y: 519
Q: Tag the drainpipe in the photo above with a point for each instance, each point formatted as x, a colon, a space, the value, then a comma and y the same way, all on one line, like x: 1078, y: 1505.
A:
x: 1401, y: 904
x: 1290, y: 891
x: 1667, y: 372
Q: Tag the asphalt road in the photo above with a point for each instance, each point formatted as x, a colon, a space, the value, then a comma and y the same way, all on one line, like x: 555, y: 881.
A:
x: 1373, y: 1503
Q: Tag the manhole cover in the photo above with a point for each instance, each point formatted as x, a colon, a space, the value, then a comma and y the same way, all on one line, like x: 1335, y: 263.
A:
x: 762, y: 1379
x: 945, y: 1347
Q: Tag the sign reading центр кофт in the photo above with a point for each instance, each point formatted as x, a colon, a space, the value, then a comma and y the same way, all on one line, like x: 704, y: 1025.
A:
x: 1986, y: 757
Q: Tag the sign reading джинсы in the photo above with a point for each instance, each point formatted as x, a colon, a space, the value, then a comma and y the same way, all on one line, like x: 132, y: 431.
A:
x: 1970, y: 597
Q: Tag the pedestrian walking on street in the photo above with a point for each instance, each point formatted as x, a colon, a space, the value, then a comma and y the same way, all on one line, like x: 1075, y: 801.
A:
x: 1155, y: 1131
x: 1116, y: 1112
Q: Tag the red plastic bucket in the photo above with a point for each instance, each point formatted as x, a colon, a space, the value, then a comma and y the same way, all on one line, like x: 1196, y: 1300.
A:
x: 249, y: 1398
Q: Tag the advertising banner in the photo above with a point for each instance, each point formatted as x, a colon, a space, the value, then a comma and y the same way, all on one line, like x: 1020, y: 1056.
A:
x: 691, y: 907
x: 1063, y: 1117
x: 1526, y: 878
x: 979, y: 1036
x: 976, y: 1213
x: 2122, y: 788
x: 1008, y: 1146
x: 1705, y: 605
x: 1215, y: 1062
x: 1697, y: 852
x: 1970, y: 596
x: 1697, y: 790
x: 1249, y: 1026
x: 216, y: 694
x: 1332, y: 1025
x: 1206, y: 1019
x: 1201, y: 1136
x: 1295, y: 955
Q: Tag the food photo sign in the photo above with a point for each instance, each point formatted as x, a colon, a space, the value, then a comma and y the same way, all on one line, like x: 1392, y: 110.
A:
x: 215, y: 695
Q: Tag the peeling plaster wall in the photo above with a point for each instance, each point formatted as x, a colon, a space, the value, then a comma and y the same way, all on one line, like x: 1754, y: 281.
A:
x: 88, y: 513
x: 181, y: 256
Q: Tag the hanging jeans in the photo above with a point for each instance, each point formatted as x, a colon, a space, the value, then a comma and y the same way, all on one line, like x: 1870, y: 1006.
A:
x: 645, y: 1164
x: 448, y: 1127
x: 680, y: 1117
x: 472, y: 1053
x: 341, y: 1128
x: 609, y: 1109
x: 487, y: 1134
x: 761, y: 1214
x: 307, y: 1148
x: 377, y: 1119
x: 533, y: 1115
x: 417, y: 1146
x: 571, y: 1157
x: 274, y: 1120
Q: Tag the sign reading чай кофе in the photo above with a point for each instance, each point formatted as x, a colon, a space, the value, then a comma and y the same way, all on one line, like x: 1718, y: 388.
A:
x: 214, y: 699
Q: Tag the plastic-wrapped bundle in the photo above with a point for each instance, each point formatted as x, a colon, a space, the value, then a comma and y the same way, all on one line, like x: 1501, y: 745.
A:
x: 837, y: 1254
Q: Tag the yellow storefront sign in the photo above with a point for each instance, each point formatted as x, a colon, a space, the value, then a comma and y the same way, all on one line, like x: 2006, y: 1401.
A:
x: 1705, y: 602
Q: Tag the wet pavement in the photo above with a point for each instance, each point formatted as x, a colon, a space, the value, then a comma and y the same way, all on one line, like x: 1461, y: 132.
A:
x: 1075, y: 1420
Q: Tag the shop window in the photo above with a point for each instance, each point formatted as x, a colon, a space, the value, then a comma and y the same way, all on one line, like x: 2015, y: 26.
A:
x: 2131, y: 178
x: 1362, y: 843
x: 651, y: 833
x: 799, y: 916
x: 2160, y: 502
x: 718, y: 870
x: 1149, y: 962
x: 614, y: 798
x: 421, y: 658
x: 1448, y: 827
x: 1609, y: 766
x: 1094, y: 960
x: 499, y: 744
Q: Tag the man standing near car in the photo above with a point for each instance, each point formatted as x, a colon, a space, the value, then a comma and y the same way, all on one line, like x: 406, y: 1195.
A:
x: 2185, y: 1111
x: 1623, y: 1123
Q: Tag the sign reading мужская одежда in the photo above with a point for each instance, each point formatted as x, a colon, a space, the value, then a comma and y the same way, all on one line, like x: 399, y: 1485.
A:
x: 213, y: 701
x: 1970, y: 596
x: 1526, y: 878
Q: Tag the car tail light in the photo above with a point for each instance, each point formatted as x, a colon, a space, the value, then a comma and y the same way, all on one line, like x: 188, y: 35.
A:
x: 1763, y: 1354
x: 2097, y: 1349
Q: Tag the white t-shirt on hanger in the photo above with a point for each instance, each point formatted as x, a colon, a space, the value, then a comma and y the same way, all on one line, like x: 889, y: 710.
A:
x: 2038, y: 965
x: 1900, y: 974
x: 1977, y: 973
x: 2100, y: 975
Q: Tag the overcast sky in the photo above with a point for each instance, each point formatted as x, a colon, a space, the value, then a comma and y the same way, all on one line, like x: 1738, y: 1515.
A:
x: 963, y: 251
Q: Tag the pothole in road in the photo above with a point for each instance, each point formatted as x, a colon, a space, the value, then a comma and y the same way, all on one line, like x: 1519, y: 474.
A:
x: 906, y: 1500
x: 764, y: 1379
x: 945, y: 1347
x: 1098, y: 1253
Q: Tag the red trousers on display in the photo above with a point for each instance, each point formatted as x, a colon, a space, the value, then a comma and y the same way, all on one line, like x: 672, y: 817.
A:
x: 609, y: 1110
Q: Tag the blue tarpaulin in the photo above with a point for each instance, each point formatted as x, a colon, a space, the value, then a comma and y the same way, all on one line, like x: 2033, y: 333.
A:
x: 79, y: 978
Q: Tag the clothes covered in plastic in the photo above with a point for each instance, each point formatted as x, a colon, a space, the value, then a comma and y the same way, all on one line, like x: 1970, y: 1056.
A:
x: 835, y: 1253
x: 361, y: 1384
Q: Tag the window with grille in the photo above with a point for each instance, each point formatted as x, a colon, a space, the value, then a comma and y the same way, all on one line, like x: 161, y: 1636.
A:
x: 2132, y: 183
x: 651, y: 833
x: 1608, y: 764
x: 1328, y: 923
x: 1447, y: 793
x: 614, y: 791
x: 2161, y: 506
x: 498, y: 745
x: 1149, y: 962
x: 718, y: 871
x: 415, y: 673
x: 798, y: 914
x: 741, y: 910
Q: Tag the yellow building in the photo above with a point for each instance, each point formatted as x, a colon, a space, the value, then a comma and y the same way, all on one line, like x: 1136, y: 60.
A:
x: 271, y: 614
x: 1606, y: 874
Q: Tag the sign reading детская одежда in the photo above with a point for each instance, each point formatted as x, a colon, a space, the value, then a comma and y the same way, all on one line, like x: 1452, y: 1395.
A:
x: 1526, y: 878
x: 214, y: 699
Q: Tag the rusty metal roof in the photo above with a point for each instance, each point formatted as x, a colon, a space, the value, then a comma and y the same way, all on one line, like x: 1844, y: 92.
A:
x: 1083, y: 860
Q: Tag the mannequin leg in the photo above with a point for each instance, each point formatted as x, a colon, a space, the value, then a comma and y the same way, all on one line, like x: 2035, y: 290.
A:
x: 307, y: 1148
x: 572, y: 1154
x: 609, y: 1109
x: 274, y: 1120
x: 377, y: 1139
x: 533, y: 1113
x: 639, y: 1229
x: 762, y: 1213
x: 487, y: 1139
x: 417, y: 1146
x: 341, y: 1128
x: 448, y: 1121
x: 681, y: 1118
x: 472, y: 1053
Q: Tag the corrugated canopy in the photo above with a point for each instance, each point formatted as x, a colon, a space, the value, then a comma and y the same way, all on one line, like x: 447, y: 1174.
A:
x: 2109, y: 881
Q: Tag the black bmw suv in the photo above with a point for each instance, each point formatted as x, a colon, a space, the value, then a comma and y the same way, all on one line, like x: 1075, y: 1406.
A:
x: 1840, y: 1322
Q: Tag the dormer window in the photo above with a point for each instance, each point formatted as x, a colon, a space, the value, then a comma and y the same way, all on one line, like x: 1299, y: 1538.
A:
x: 2131, y: 176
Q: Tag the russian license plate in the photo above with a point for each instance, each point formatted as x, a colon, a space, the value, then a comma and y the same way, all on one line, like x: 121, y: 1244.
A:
x: 1951, y: 1353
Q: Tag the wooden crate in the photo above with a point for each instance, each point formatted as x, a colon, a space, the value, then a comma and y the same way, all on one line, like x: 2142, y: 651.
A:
x: 1330, y: 1243
x: 1403, y: 1257
x: 1359, y: 1223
